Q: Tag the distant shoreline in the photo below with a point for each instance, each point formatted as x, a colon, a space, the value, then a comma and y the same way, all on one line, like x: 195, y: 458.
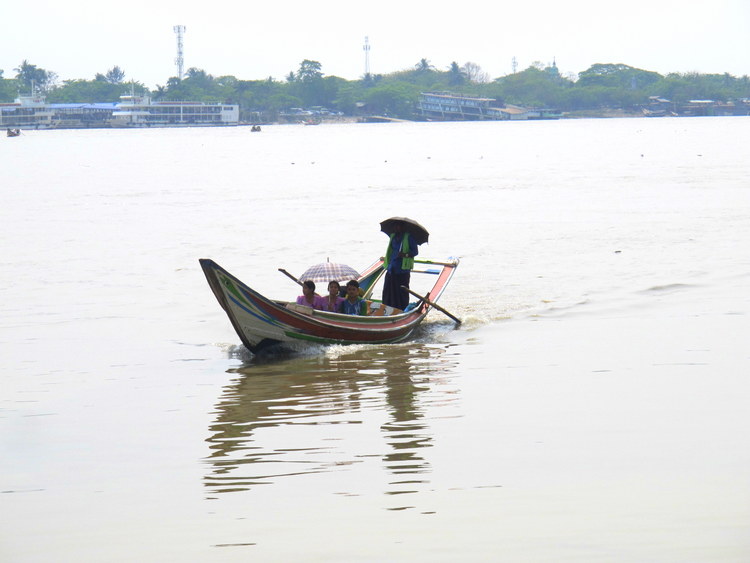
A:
x: 607, y: 113
x: 601, y: 113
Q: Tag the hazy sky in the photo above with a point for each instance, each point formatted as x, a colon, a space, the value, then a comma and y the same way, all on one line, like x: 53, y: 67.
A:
x: 256, y: 39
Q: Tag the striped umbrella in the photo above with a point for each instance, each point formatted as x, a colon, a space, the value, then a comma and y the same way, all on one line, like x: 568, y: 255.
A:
x: 329, y: 271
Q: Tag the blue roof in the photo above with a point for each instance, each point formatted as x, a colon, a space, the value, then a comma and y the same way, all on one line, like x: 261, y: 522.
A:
x: 97, y: 105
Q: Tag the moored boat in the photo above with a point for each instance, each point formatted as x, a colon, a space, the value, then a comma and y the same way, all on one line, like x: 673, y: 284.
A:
x: 26, y: 112
x: 261, y: 322
x: 140, y: 111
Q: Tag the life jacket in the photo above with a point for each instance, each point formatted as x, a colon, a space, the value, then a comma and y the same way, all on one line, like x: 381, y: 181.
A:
x: 406, y: 263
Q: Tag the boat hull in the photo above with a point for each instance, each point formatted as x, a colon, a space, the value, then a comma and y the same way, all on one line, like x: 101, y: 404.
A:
x: 261, y: 322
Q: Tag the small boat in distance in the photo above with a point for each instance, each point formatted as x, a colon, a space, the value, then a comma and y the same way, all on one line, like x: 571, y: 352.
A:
x: 261, y: 322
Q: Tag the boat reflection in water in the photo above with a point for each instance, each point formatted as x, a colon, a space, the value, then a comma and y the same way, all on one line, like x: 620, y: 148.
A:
x: 336, y: 413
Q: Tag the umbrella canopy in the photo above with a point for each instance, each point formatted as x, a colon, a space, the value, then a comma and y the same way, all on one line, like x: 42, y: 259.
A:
x: 416, y: 230
x: 329, y: 271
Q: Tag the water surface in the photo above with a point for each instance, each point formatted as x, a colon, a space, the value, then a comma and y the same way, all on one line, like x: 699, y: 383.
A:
x: 592, y: 406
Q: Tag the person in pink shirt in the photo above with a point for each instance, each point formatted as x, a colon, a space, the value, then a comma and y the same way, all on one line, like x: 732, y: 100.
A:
x: 309, y: 297
x: 333, y: 300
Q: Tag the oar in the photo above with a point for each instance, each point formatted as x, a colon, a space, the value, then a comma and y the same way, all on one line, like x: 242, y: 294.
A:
x: 438, y: 307
x: 283, y: 271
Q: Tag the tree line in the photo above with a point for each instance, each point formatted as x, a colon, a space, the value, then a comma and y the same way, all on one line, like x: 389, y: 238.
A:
x: 600, y: 86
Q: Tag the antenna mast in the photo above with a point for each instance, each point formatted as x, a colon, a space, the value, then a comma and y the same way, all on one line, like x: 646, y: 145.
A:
x: 366, y: 49
x: 514, y: 64
x: 179, y: 30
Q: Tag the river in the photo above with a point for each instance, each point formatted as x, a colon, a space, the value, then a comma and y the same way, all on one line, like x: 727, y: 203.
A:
x: 591, y: 407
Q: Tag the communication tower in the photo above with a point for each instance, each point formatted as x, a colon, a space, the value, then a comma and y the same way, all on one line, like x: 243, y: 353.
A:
x: 179, y: 61
x: 366, y: 49
x: 514, y: 64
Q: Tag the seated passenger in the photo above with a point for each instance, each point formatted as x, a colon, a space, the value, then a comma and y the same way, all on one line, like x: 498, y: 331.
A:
x: 309, y: 297
x: 333, y: 301
x: 353, y: 304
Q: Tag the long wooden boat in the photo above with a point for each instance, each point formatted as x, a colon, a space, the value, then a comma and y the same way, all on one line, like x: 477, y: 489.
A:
x: 261, y: 322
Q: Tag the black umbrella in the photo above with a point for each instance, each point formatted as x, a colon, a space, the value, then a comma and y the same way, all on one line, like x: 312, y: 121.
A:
x: 416, y: 230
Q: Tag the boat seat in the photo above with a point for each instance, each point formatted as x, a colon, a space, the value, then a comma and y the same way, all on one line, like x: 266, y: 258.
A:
x: 297, y: 308
x: 377, y: 309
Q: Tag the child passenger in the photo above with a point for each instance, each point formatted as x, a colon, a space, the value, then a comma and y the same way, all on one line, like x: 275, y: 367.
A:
x: 333, y: 301
x: 353, y: 304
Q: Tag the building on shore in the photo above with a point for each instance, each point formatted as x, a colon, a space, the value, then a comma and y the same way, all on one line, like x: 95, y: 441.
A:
x: 662, y: 107
x: 33, y: 112
x: 27, y: 112
x: 447, y: 106
x: 140, y: 111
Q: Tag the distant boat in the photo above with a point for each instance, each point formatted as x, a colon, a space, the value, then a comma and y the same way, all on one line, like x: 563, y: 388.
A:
x: 447, y: 106
x: 140, y: 111
x: 26, y: 112
x: 261, y: 322
x: 13, y: 132
x: 33, y: 112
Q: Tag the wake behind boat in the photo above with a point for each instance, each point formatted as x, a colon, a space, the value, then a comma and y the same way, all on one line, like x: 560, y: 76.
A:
x: 261, y: 322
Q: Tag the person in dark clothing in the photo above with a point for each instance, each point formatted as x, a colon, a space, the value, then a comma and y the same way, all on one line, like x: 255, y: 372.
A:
x: 399, y: 261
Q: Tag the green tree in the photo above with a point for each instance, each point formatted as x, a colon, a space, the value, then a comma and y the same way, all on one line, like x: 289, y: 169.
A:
x: 532, y: 87
x: 198, y: 85
x: 8, y: 90
x: 256, y: 99
x: 309, y: 71
x: 115, y: 75
x: 347, y: 96
x: 31, y: 77
x: 91, y: 91
x: 312, y: 87
x: 159, y: 92
x: 395, y: 100
x: 456, y: 76
x: 423, y: 66
x: 280, y: 101
x: 617, y: 76
x: 690, y: 86
x: 199, y: 78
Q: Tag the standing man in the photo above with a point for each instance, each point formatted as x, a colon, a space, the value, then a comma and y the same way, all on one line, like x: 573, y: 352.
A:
x: 399, y: 261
